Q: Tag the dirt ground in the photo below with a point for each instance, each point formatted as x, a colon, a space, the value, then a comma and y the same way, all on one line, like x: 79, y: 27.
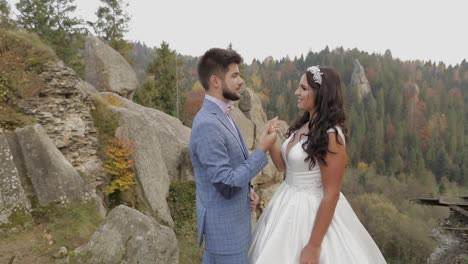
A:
x: 29, y: 246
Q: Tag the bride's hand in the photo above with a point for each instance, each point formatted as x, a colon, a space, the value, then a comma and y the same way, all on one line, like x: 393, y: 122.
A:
x: 310, y: 255
x: 272, y: 125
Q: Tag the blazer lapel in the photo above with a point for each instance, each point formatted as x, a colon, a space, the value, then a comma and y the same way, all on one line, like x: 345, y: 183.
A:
x: 221, y: 116
x: 244, y: 146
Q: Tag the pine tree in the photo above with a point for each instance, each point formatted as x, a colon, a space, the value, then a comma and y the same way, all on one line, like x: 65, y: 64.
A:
x: 53, y: 22
x: 161, y: 92
x: 5, y: 10
x: 111, y: 25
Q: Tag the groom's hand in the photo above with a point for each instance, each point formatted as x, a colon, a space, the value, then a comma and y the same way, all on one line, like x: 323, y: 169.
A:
x: 254, y: 199
x: 273, y: 125
x: 268, y: 137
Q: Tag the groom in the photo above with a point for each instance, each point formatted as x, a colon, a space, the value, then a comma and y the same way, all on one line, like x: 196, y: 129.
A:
x: 222, y: 164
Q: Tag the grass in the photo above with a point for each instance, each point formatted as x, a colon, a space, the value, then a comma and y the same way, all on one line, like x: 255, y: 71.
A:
x: 70, y: 225
x: 181, y: 201
x: 66, y: 225
x: 22, y: 56
x: 18, y: 219
x: 26, y: 48
x: 10, y: 118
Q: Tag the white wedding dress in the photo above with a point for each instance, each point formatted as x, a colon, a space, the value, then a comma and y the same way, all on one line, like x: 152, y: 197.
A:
x: 285, y: 226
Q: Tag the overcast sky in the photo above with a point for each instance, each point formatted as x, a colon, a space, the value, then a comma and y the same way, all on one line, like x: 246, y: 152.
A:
x: 411, y: 29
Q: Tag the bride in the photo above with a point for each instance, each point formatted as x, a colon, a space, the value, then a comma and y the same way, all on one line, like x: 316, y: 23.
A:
x: 308, y: 220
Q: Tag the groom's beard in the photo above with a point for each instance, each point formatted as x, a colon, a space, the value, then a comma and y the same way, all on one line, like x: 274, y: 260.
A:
x: 228, y: 94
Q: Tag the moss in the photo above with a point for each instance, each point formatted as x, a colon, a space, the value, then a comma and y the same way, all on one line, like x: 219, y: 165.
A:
x: 106, y: 122
x: 181, y: 201
x: 18, y: 219
x: 10, y: 118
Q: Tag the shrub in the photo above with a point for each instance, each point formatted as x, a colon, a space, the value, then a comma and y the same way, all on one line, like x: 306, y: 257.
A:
x: 119, y: 165
x: 181, y: 201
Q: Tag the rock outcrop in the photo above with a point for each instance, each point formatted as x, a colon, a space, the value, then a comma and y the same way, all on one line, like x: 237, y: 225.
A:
x: 128, y: 236
x: 107, y: 70
x: 63, y: 108
x: 53, y: 178
x: 359, y: 80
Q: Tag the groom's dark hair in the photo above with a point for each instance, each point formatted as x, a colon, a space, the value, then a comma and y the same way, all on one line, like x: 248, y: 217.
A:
x: 216, y: 61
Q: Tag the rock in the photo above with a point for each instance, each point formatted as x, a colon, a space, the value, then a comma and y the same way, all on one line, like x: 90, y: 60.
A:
x: 246, y: 126
x: 359, y: 80
x: 257, y: 113
x: 128, y: 236
x: 245, y: 102
x: 161, y: 145
x: 62, y: 253
x: 151, y: 171
x: 172, y: 134
x: 53, y: 178
x: 64, y: 110
x: 12, y: 196
x: 86, y: 88
x: 107, y: 70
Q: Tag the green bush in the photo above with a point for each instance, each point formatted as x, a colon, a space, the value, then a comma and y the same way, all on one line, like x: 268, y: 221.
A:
x: 181, y: 201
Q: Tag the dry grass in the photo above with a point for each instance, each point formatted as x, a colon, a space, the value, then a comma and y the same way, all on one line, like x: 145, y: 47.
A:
x: 54, y: 226
x: 22, y: 56
x: 113, y: 100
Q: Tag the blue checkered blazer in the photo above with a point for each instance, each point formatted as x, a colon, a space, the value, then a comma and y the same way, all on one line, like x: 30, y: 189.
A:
x: 223, y: 169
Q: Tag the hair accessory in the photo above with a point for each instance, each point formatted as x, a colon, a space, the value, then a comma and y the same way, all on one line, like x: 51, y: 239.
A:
x: 315, y: 70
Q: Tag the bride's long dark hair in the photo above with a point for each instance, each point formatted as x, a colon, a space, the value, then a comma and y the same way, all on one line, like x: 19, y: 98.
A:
x: 328, y: 113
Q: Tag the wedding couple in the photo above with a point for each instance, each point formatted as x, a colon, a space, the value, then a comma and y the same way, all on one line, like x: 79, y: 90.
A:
x: 308, y: 220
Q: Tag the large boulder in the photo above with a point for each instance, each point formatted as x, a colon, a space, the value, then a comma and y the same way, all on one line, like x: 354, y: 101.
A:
x: 174, y: 137
x: 128, y: 236
x: 161, y: 152
x: 12, y: 196
x: 52, y: 176
x: 107, y: 70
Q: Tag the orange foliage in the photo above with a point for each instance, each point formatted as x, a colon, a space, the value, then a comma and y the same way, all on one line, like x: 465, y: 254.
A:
x: 119, y: 165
